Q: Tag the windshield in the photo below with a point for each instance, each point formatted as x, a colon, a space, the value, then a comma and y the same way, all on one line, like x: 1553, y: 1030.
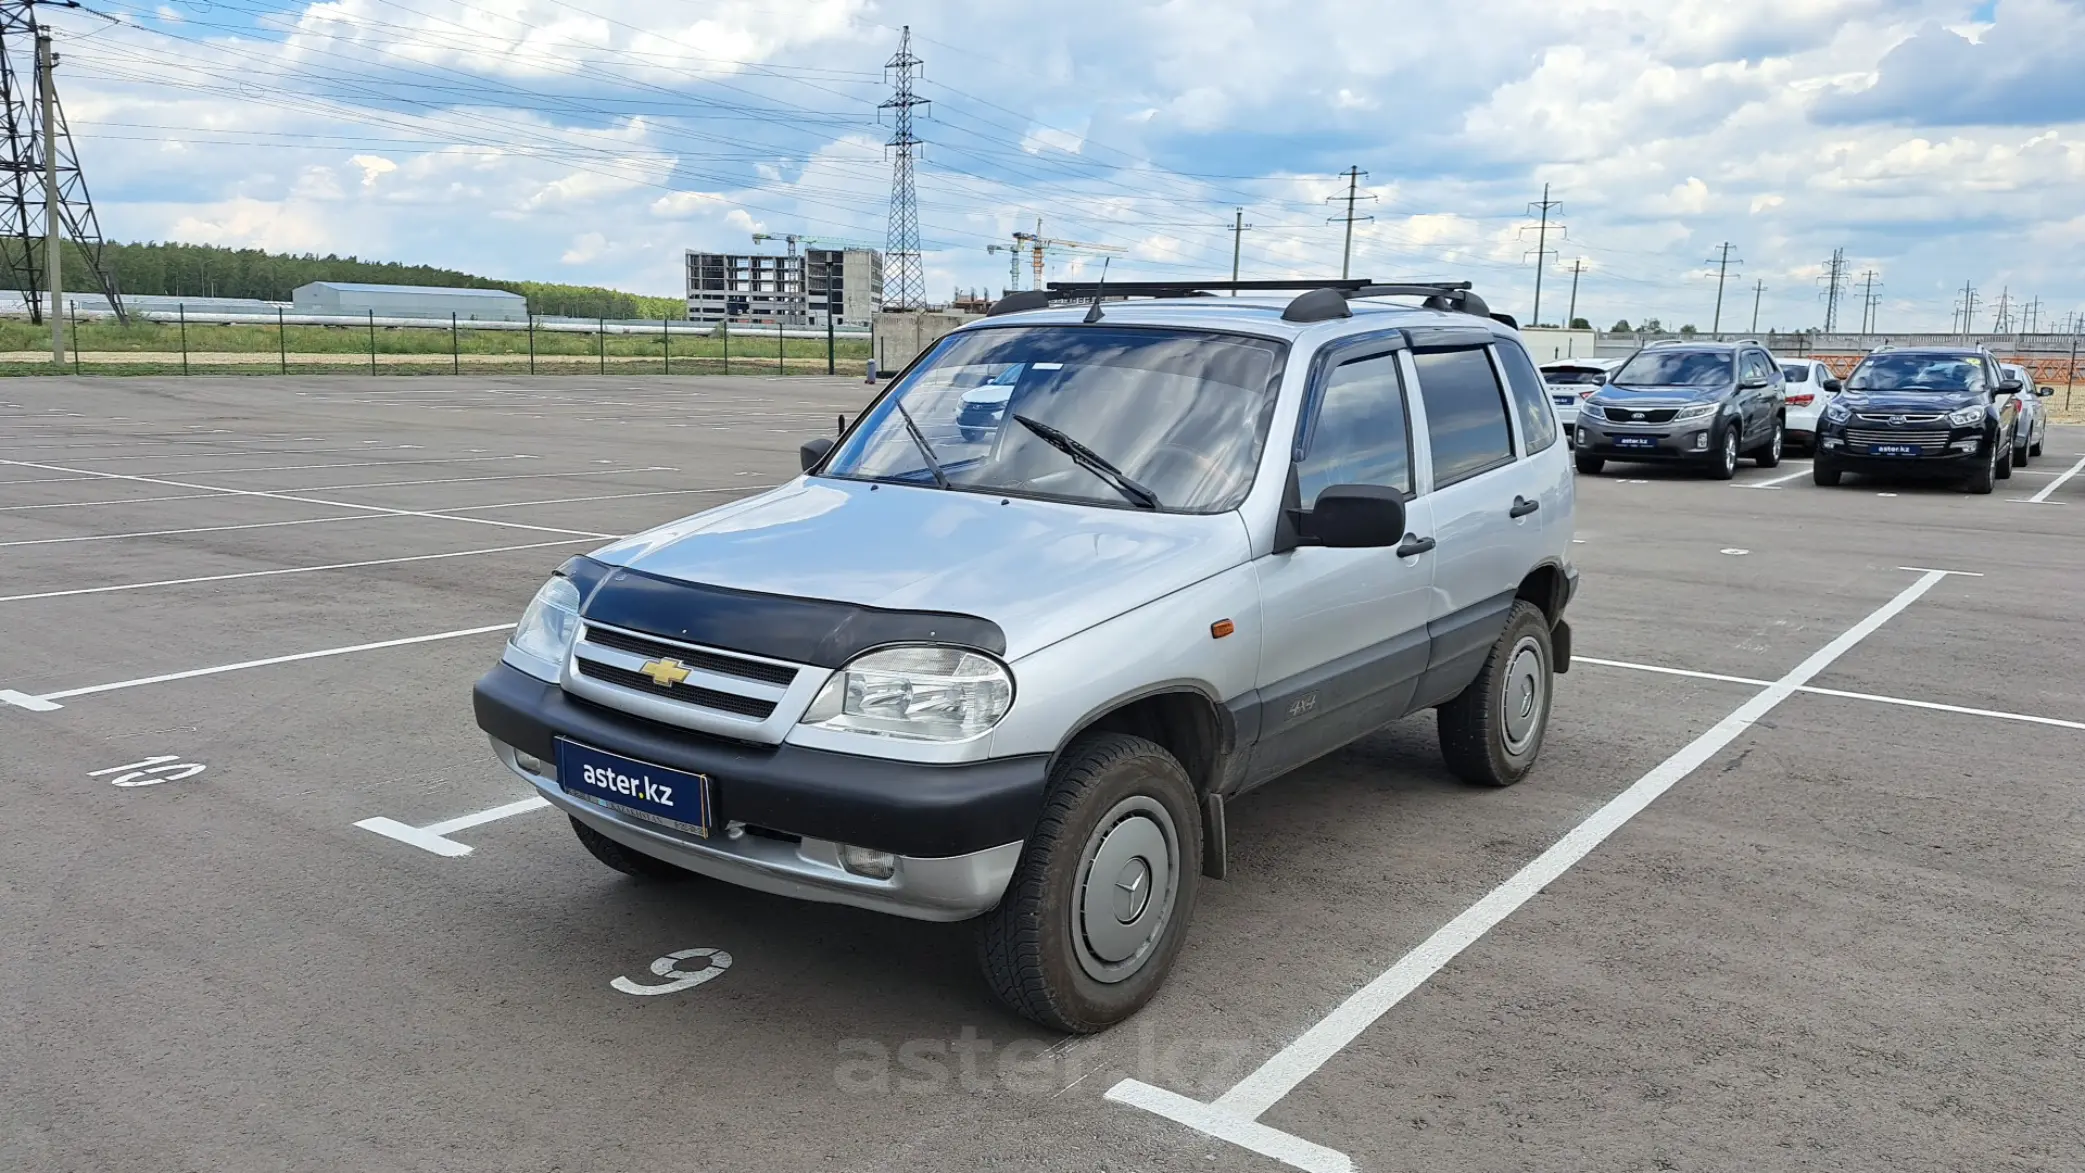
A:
x: 1918, y: 372
x: 1676, y: 368
x: 1182, y: 415
x: 1571, y: 376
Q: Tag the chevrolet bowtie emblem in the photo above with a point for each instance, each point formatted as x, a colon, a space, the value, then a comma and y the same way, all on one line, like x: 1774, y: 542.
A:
x: 665, y: 673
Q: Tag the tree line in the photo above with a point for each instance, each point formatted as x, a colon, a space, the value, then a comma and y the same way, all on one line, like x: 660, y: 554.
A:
x: 169, y: 269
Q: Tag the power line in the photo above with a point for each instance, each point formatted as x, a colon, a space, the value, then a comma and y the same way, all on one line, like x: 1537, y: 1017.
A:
x: 904, y: 274
x: 1346, y: 254
x: 1543, y: 252
x: 1722, y: 262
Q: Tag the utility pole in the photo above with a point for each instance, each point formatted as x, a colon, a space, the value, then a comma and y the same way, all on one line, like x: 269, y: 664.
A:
x: 2030, y: 317
x: 52, y: 216
x: 1722, y: 262
x: 2004, y: 323
x: 1758, y: 288
x: 905, y: 275
x: 1542, y: 208
x: 1238, y: 230
x: 1966, y: 309
x: 1868, y: 301
x: 1571, y: 315
x: 1346, y: 255
x: 1835, y: 276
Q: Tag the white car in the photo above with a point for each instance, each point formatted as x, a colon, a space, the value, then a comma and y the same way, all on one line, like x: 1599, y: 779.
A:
x: 1810, y: 386
x: 2033, y: 424
x: 1570, y: 380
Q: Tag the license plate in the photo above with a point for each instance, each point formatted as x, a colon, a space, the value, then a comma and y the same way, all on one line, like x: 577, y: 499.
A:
x: 671, y: 798
x: 1893, y: 450
x: 1636, y: 441
x: 1565, y: 400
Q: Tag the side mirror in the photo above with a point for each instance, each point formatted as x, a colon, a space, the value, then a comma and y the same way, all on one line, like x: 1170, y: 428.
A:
x: 1834, y: 386
x: 813, y: 451
x: 1355, y: 517
x: 1752, y: 383
x: 2011, y: 386
x: 2045, y: 392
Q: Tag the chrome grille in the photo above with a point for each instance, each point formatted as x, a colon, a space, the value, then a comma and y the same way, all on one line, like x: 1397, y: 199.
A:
x: 1899, y: 417
x: 723, y: 665
x: 1923, y: 437
x: 708, y: 698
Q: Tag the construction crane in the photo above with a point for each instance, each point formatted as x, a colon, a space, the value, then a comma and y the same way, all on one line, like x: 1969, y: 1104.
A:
x: 1038, y: 244
x: 1013, y: 263
x: 793, y: 239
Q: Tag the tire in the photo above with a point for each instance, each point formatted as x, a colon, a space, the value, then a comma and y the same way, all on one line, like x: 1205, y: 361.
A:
x: 1723, y: 466
x: 2035, y: 449
x: 1492, y: 731
x: 1986, y: 474
x: 2020, y: 454
x: 626, y: 860
x: 2004, y: 471
x: 1590, y: 465
x: 1768, y: 455
x: 1824, y: 474
x: 1065, y: 959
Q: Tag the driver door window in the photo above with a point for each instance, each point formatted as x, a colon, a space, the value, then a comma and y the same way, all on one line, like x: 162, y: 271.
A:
x: 1359, y: 435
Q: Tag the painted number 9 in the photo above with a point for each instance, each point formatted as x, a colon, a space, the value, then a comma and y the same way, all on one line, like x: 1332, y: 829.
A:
x: 682, y: 979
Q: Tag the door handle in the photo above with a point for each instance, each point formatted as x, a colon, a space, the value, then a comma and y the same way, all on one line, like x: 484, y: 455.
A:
x: 1522, y: 507
x: 1413, y: 544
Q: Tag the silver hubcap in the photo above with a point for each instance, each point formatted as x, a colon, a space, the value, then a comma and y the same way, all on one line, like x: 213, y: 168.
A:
x: 1129, y: 875
x: 1777, y: 442
x: 1730, y: 449
x: 1526, y: 695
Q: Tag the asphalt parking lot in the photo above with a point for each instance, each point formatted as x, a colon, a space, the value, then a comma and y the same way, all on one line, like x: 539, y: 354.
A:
x: 1797, y: 884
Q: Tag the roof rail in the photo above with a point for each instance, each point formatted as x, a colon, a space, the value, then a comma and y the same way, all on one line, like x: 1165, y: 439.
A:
x: 1318, y: 300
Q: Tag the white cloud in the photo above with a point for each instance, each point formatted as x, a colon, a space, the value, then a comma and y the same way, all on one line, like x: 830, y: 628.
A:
x: 372, y: 167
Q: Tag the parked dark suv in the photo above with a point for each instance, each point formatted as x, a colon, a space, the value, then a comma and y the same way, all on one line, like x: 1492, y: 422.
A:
x: 1946, y: 411
x: 1700, y: 403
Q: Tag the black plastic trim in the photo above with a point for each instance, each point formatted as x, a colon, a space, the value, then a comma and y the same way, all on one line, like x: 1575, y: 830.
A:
x: 779, y: 627
x: 907, y: 808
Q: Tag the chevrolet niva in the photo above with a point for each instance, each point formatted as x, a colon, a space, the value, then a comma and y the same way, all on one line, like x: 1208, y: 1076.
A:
x: 1009, y: 665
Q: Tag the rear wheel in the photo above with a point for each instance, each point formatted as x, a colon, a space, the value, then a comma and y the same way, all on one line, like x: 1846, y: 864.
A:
x: 2005, y: 464
x: 623, y: 859
x: 2020, y: 454
x: 1723, y: 465
x: 1100, y: 903
x: 1768, y: 455
x: 1491, y: 732
x: 2035, y: 449
x: 1590, y: 464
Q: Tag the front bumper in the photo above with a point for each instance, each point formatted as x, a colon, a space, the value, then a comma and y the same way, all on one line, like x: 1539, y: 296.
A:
x: 956, y: 830
x: 1691, y: 440
x: 1963, y: 450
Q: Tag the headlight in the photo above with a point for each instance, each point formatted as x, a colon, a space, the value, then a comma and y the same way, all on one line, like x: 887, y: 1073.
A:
x: 1698, y: 411
x: 922, y: 693
x: 548, y: 627
x: 1591, y: 410
x: 1838, y: 412
x: 1973, y: 414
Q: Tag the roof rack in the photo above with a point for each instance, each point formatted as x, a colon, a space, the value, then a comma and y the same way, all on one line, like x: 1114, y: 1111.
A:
x: 1319, y: 299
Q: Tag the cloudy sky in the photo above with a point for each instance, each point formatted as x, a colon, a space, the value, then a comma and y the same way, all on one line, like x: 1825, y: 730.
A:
x: 1935, y: 141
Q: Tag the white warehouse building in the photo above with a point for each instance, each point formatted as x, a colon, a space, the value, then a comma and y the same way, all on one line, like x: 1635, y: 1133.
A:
x: 409, y: 301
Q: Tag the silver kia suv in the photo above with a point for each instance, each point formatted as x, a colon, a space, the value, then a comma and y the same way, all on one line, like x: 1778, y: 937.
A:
x: 1010, y: 665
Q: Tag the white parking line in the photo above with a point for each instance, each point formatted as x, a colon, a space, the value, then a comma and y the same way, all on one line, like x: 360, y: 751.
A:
x: 1877, y: 698
x: 119, y: 501
x: 520, y: 476
x: 204, y: 529
x: 616, y: 497
x: 313, y: 500
x: 139, y: 586
x: 435, y: 836
x: 1772, y: 481
x: 1234, y: 1115
x: 47, y: 701
x: 2043, y: 496
x: 200, y: 472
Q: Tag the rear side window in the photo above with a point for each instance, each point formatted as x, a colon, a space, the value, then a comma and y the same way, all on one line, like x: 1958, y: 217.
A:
x: 1360, y: 436
x: 1796, y: 374
x: 1465, y: 414
x: 1538, y: 423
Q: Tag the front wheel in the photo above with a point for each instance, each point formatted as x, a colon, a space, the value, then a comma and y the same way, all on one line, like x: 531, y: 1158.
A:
x: 1824, y: 474
x: 1099, y: 905
x: 1986, y: 473
x: 626, y: 860
x: 1590, y: 465
x: 1723, y: 465
x: 1768, y: 455
x: 1492, y: 730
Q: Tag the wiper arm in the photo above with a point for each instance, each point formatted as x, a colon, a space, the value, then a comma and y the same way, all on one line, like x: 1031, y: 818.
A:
x: 925, y: 449
x: 1092, y: 462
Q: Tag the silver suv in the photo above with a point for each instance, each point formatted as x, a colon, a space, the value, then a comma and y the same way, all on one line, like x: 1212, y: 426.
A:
x: 1011, y: 665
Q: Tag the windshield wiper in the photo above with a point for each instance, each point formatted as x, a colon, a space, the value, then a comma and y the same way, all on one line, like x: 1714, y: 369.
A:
x: 925, y: 449
x: 1092, y: 462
